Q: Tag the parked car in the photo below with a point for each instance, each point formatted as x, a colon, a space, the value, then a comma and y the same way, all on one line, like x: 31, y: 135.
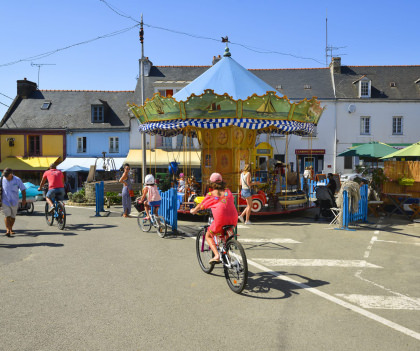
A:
x: 350, y: 176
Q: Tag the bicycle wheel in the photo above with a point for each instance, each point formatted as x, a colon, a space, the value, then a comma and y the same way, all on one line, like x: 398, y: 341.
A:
x: 161, y: 226
x: 143, y: 223
x: 236, y: 273
x: 61, y: 216
x: 30, y: 206
x: 204, y: 253
x: 49, y: 217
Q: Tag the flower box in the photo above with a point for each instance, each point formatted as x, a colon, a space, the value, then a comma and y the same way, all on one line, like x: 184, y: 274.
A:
x: 406, y: 181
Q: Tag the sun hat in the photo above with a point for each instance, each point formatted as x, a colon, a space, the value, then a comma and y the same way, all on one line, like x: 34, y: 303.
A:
x: 216, y: 178
x: 181, y: 175
x: 149, y: 179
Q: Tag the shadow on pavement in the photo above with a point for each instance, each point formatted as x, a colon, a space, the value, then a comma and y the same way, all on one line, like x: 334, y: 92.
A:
x: 264, y: 283
x: 14, y: 246
x: 87, y: 226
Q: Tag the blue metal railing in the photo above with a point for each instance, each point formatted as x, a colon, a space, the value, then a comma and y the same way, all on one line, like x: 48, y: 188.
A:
x: 100, y: 198
x: 168, y: 208
x: 311, y: 186
x: 362, y: 212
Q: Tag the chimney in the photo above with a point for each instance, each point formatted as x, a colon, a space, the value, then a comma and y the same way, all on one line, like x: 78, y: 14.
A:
x: 216, y: 59
x: 335, y: 65
x: 25, y: 88
x: 147, y: 64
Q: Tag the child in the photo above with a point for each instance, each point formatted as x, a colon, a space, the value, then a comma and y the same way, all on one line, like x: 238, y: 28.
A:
x: 152, y: 193
x: 181, y: 183
x: 220, y: 200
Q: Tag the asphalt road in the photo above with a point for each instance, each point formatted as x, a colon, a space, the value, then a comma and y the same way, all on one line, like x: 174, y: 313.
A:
x: 102, y: 284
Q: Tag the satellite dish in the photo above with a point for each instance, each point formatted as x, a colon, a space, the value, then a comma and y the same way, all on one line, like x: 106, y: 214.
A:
x: 351, y: 108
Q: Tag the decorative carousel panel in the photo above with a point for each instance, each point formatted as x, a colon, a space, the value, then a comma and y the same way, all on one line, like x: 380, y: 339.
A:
x: 210, y: 105
x: 224, y: 161
x: 269, y: 107
x: 162, y: 108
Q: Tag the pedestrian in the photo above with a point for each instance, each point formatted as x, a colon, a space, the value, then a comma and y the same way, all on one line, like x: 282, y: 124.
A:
x: 56, y: 190
x: 246, y: 184
x: 10, y: 186
x: 127, y: 191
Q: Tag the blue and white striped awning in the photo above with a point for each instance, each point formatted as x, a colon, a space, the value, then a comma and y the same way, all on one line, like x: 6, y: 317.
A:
x: 175, y: 127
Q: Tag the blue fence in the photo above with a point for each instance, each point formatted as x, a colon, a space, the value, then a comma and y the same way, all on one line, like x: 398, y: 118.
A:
x: 168, y: 208
x: 361, y: 214
x: 311, y: 186
x: 100, y: 198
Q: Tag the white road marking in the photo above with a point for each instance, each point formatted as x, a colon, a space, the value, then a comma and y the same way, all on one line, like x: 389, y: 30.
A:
x: 337, y: 301
x: 398, y: 242
x: 383, y: 302
x: 274, y: 241
x: 275, y: 262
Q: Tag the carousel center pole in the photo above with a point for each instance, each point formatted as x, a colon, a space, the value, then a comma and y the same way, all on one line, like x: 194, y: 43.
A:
x: 143, y: 135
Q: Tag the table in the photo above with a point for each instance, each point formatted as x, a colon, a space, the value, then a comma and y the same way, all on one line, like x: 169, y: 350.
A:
x: 399, y: 204
x: 375, y: 206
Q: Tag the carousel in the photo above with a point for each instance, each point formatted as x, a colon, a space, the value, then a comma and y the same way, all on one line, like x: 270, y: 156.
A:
x: 227, y: 109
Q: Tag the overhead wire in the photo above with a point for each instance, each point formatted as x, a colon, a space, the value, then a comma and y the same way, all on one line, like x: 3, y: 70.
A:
x: 250, y: 48
x: 49, y: 53
x: 6, y: 96
x: 5, y: 104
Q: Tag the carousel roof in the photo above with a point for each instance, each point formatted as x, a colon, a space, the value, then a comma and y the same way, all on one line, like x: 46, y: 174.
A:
x: 225, y: 95
x: 226, y: 77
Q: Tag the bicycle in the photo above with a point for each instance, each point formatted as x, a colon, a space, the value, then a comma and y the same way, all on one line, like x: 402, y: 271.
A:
x: 232, y: 256
x: 155, y: 220
x: 59, y: 214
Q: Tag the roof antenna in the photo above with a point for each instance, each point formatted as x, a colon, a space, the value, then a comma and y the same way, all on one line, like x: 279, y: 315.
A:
x: 329, y: 49
x: 39, y: 67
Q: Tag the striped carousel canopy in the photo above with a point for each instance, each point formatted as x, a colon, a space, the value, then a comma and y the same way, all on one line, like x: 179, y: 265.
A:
x: 227, y: 94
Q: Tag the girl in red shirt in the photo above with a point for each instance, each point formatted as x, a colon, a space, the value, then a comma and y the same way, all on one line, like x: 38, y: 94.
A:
x: 220, y: 201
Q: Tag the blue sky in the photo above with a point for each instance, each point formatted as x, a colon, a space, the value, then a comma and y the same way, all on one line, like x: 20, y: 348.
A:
x: 373, y: 32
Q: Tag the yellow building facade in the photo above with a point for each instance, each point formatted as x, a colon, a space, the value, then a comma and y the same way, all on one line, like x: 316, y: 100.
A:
x: 29, y: 153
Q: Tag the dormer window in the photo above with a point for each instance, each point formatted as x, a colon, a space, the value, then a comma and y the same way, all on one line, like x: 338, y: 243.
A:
x: 364, y: 88
x: 306, y: 86
x: 97, y: 114
x: 46, y: 105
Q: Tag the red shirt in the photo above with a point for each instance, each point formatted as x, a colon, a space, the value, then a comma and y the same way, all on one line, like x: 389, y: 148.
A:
x: 55, y: 178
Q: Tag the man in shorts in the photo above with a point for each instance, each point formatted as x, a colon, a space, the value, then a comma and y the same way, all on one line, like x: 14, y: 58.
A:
x: 55, y: 180
x: 10, y: 198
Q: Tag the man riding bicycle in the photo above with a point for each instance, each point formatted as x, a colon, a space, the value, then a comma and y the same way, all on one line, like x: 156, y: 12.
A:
x: 55, y: 180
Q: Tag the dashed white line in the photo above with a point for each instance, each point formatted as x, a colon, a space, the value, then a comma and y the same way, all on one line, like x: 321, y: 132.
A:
x: 275, y: 262
x: 337, y: 301
x: 274, y: 241
x: 383, y: 302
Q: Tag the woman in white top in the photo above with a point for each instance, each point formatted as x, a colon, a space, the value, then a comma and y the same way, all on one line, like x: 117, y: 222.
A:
x: 246, y: 184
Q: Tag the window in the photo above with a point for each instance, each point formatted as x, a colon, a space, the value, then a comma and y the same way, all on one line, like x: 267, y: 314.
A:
x: 348, y: 162
x: 81, y: 145
x: 312, y: 135
x: 97, y: 114
x: 364, y: 88
x: 166, y: 92
x: 397, y: 126
x: 364, y: 125
x: 114, y: 145
x: 167, y: 143
x: 46, y: 105
x: 180, y: 142
x: 34, y: 145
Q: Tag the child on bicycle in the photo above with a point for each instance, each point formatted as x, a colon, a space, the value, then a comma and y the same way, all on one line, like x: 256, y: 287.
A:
x: 220, y: 201
x: 151, y: 192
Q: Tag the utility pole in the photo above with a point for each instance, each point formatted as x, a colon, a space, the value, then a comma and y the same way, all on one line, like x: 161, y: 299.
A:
x: 39, y: 67
x: 143, y: 134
